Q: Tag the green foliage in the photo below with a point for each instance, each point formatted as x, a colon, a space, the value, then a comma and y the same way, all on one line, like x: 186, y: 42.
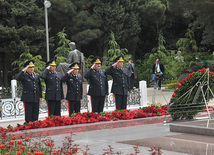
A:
x: 25, y: 56
x: 63, y: 50
x: 88, y: 62
x: 114, y: 51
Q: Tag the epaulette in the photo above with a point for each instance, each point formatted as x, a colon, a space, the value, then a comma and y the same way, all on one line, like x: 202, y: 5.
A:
x: 36, y: 73
x: 26, y: 73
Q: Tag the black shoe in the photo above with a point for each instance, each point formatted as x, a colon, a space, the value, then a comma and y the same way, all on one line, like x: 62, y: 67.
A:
x: 159, y: 88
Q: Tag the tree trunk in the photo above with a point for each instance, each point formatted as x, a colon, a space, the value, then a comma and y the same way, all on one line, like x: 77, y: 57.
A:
x: 5, y: 71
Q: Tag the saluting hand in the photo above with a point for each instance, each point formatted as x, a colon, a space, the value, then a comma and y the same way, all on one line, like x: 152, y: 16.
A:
x: 48, y: 67
x: 92, y: 67
x: 71, y: 70
x: 115, y: 64
x: 25, y: 68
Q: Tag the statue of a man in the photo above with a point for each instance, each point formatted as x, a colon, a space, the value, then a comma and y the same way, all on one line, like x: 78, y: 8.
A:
x: 74, y: 56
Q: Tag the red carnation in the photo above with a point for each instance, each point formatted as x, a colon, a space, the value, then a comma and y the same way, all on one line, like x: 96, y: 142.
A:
x: 11, y: 142
x: 1, y: 146
x: 19, y: 142
x: 14, y: 138
x: 22, y: 148
x: 18, y: 153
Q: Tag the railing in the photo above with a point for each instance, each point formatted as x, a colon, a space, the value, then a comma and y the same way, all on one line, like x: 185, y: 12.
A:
x: 14, y: 107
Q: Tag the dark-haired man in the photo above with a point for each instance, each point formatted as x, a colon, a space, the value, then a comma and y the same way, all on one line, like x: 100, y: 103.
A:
x: 158, y: 69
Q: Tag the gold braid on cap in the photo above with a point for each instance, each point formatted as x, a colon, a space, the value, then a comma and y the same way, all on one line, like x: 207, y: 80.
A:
x: 75, y: 66
x: 97, y: 61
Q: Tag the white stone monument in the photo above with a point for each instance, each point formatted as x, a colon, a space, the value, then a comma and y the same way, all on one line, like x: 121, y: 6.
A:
x: 143, y: 93
x: 13, y: 88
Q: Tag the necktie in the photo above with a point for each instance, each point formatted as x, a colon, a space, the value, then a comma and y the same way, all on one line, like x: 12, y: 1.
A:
x: 32, y: 75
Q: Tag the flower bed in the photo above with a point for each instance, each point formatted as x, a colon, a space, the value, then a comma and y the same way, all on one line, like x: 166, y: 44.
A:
x: 9, y: 145
x: 172, y: 85
x: 90, y: 117
x: 182, y: 107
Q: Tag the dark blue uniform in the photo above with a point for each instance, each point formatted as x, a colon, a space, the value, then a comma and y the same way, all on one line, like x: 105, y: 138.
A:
x: 54, y: 91
x: 120, y: 86
x: 32, y: 91
x: 98, y: 88
x: 74, y: 92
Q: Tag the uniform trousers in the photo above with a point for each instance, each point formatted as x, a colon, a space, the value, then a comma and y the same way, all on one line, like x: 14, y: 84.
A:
x: 73, y: 107
x: 120, y: 101
x: 54, y: 107
x: 31, y: 111
x: 131, y: 79
x: 97, y: 103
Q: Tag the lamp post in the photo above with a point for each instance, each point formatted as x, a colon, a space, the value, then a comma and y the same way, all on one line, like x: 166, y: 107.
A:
x: 47, y: 4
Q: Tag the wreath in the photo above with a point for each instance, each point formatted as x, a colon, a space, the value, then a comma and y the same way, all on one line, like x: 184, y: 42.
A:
x: 192, y: 94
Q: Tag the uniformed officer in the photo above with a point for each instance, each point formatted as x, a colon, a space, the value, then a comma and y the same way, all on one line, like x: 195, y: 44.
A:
x: 32, y: 91
x: 120, y: 86
x: 54, y: 92
x: 74, y: 88
x: 98, y: 88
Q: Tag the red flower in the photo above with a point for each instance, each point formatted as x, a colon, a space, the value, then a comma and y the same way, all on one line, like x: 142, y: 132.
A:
x: 173, y: 95
x: 18, y: 153
x: 1, y: 146
x: 38, y: 153
x: 11, y: 142
x: 179, y: 85
x: 27, y: 138
x: 75, y: 149
x: 29, y: 154
x: 175, y: 90
x: 14, y: 138
x: 55, y: 152
x: 8, y: 153
x: 19, y: 142
x: 70, y: 152
x: 22, y: 148
x: 50, y: 144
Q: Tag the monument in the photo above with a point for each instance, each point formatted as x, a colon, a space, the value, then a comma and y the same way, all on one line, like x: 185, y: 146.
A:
x: 74, y: 56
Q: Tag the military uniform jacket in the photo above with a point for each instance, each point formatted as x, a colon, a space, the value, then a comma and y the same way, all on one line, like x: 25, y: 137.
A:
x: 53, y: 83
x: 120, y: 77
x: 74, y: 90
x: 32, y: 89
x: 98, y: 82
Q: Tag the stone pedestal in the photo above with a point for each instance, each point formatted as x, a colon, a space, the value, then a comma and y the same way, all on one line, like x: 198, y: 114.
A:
x: 143, y: 93
x: 13, y: 88
x: 109, y: 86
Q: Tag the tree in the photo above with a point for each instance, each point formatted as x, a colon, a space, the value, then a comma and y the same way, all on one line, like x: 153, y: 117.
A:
x: 115, y: 51
x: 62, y: 51
x: 200, y: 13
x: 21, y: 21
x: 25, y: 56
